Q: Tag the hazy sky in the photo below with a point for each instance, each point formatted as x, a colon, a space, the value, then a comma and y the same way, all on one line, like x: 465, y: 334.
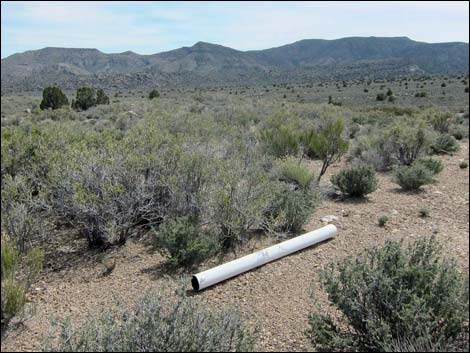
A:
x: 152, y: 27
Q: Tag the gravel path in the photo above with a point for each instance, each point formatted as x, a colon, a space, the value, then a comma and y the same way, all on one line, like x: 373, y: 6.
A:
x: 278, y: 295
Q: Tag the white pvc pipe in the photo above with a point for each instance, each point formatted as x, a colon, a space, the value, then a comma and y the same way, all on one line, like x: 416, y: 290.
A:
x: 230, y: 269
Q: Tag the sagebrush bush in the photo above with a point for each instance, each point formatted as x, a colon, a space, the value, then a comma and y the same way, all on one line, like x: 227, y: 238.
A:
x: 19, y: 270
x: 435, y: 166
x: 444, y: 143
x: 392, y: 293
x: 156, y: 325
x: 373, y: 149
x: 292, y: 171
x: 356, y: 181
x: 281, y: 141
x: 383, y: 221
x: 327, y: 143
x: 424, y: 212
x: 290, y: 208
x: 184, y: 243
x: 413, y: 177
x: 441, y: 122
x: 17, y: 211
x: 408, y: 142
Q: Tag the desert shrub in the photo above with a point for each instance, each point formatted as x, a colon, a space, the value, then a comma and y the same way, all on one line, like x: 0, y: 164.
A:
x: 373, y: 149
x: 426, y: 344
x: 17, y: 211
x: 327, y: 143
x: 156, y: 325
x: 383, y: 221
x: 424, y: 212
x: 54, y: 98
x: 85, y: 98
x: 381, y: 97
x: 357, y: 181
x: 458, y: 131
x: 463, y: 165
x: 290, y: 208
x: 435, y: 166
x: 407, y: 142
x: 281, y: 141
x: 441, y: 122
x: 292, y: 171
x: 107, y: 189
x: 184, y: 243
x: 101, y: 97
x: 154, y: 94
x: 392, y: 293
x: 241, y: 193
x: 19, y: 270
x: 421, y: 94
x: 444, y: 143
x: 413, y: 177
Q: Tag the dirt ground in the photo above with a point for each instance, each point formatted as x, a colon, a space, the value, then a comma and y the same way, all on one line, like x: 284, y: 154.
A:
x: 278, y: 296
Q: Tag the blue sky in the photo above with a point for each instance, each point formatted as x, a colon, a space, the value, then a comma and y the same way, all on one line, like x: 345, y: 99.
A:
x: 152, y: 27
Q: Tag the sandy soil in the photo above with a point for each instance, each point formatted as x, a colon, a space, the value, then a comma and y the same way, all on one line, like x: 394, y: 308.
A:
x: 278, y: 296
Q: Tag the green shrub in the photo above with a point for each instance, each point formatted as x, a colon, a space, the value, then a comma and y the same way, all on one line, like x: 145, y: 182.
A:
x: 390, y: 294
x: 154, y: 94
x: 290, y: 208
x: 421, y: 94
x: 459, y: 131
x: 424, y: 212
x: 441, y: 122
x: 381, y: 97
x: 435, y: 166
x: 18, y: 272
x: 101, y: 97
x: 156, y: 325
x: 54, y: 98
x: 445, y: 143
x: 292, y: 171
x: 383, y: 221
x: 327, y: 144
x: 184, y: 243
x: 408, y: 142
x: 17, y: 211
x: 426, y: 344
x: 356, y: 181
x: 463, y: 165
x: 373, y: 149
x: 85, y: 98
x: 413, y: 177
x: 281, y: 141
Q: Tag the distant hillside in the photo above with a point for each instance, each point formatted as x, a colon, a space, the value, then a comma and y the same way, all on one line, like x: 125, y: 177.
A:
x: 206, y: 64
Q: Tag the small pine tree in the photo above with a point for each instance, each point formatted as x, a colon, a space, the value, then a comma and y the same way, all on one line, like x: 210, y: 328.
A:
x: 101, y: 97
x: 86, y: 98
x: 154, y: 94
x: 54, y: 98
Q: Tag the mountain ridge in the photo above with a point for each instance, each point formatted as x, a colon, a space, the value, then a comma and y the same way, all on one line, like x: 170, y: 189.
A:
x: 205, y: 64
